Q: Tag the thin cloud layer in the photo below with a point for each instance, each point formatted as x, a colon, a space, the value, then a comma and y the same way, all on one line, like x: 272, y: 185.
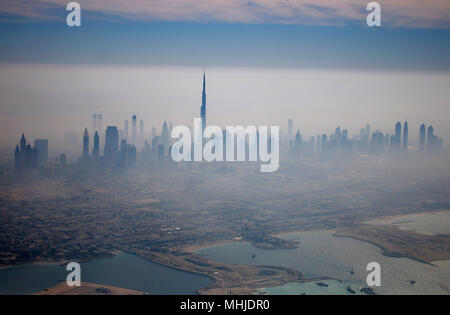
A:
x: 405, y: 13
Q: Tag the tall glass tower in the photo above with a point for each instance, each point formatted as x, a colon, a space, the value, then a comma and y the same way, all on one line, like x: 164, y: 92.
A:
x: 405, y: 136
x: 85, y: 143
x: 203, y: 108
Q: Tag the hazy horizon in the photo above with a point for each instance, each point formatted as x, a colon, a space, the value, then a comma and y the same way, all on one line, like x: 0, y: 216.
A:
x: 45, y: 101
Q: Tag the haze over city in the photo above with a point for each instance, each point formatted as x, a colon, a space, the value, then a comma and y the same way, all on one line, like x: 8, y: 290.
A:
x: 304, y: 66
x: 318, y: 100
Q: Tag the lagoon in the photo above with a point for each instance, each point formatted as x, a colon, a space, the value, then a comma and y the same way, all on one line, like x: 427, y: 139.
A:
x: 321, y: 254
x: 123, y: 270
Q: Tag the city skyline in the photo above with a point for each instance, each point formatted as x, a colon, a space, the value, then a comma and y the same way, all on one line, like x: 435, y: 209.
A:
x: 372, y: 99
x: 118, y: 153
x: 130, y: 149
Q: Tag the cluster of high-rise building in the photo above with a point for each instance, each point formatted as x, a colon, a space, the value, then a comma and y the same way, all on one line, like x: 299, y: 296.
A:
x: 97, y: 122
x: 27, y: 157
x: 428, y: 140
x: 366, y: 142
x: 135, y: 138
x: 120, y: 148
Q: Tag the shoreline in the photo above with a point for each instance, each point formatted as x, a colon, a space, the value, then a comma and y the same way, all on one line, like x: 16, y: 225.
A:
x: 398, y: 216
x: 87, y: 288
x: 61, y: 262
x: 193, y: 265
x: 384, y: 251
x: 193, y: 248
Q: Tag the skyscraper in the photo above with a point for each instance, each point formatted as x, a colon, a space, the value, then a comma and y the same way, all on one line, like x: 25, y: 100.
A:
x: 94, y: 123
x: 28, y: 157
x: 127, y: 154
x: 405, y: 136
x: 126, y: 130
x: 396, y: 141
x: 324, y: 143
x: 17, y: 158
x: 344, y: 140
x: 62, y: 160
x: 318, y: 143
x: 398, y: 131
x: 337, y: 136
x: 430, y: 136
x: 165, y: 137
x: 100, y: 123
x: 22, y: 155
x: 298, y: 143
x: 290, y: 130
x: 422, y: 137
x: 85, y: 143
x: 377, y: 143
x: 337, y: 133
x: 434, y: 143
x: 96, y: 149
x: 155, y: 143
x: 111, y: 143
x: 203, y: 108
x: 41, y: 145
x: 161, y: 152
x: 141, y: 132
x: 23, y: 144
x: 133, y: 129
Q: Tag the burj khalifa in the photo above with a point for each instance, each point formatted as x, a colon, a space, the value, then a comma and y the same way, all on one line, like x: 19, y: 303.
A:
x: 203, y: 108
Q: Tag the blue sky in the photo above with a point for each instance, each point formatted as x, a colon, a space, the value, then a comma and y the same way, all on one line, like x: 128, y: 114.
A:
x: 220, y: 44
x: 235, y: 33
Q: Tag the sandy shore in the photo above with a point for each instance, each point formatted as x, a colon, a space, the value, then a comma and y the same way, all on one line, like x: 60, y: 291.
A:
x: 87, y: 289
x: 193, y: 248
x: 399, y: 216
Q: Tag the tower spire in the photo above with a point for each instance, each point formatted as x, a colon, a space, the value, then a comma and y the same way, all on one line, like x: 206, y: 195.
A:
x: 203, y: 108
x: 204, y: 80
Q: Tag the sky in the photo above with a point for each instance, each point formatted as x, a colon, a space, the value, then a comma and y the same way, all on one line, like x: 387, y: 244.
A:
x: 315, y: 61
x: 409, y: 13
x: 263, y: 33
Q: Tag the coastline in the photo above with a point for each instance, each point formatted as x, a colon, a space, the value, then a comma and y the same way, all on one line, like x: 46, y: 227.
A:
x: 61, y: 262
x: 87, y: 289
x: 193, y: 248
x: 225, y: 277
x: 399, y: 216
x: 383, y: 250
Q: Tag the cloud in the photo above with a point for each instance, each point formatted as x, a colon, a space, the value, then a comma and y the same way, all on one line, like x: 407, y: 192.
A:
x: 404, y: 13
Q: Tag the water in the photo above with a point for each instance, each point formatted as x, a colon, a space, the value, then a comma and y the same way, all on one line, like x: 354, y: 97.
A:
x: 333, y: 287
x: 123, y: 270
x: 320, y: 254
x: 424, y: 223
